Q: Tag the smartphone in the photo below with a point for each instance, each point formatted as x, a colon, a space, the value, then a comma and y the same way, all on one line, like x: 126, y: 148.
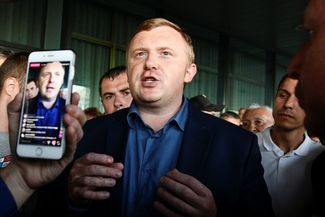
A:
x: 48, y: 85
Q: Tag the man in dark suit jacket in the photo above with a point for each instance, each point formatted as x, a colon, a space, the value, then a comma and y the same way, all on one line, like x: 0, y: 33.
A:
x: 224, y: 157
x: 162, y: 157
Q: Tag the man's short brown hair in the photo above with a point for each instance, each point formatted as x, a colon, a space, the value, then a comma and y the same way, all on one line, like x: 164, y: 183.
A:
x: 150, y: 24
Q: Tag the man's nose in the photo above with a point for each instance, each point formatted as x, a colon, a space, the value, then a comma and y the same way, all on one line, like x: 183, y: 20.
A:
x: 252, y: 128
x: 51, y: 78
x: 151, y: 61
x: 118, y: 102
x: 291, y: 101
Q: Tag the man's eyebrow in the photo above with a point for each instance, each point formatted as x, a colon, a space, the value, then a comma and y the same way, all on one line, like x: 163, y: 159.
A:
x: 125, y: 89
x: 138, y: 49
x: 164, y: 48
x: 108, y: 93
x: 284, y: 90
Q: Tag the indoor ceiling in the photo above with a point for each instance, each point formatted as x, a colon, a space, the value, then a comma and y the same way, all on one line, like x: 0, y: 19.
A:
x: 267, y: 24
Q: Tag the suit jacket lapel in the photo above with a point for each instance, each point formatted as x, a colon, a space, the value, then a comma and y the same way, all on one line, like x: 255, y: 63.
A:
x: 195, y: 144
x: 117, y: 132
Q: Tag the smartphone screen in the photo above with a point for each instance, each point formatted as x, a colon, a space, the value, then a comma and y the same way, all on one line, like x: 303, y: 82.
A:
x: 44, y: 103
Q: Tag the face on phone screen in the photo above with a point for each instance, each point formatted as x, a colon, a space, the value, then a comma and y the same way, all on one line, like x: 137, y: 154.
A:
x: 43, y: 111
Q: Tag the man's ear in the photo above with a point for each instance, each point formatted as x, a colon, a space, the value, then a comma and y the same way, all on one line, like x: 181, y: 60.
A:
x: 11, y: 86
x: 190, y: 73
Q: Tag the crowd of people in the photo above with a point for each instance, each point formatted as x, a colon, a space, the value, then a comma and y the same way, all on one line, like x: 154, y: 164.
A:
x: 154, y: 153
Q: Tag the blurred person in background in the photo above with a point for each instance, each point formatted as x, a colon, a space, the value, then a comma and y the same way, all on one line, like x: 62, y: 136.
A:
x: 12, y: 77
x: 92, y: 112
x: 231, y: 117
x: 257, y: 118
x: 202, y: 103
x: 241, y: 113
x: 114, y: 90
x: 4, y: 54
x: 31, y: 89
x: 309, y: 62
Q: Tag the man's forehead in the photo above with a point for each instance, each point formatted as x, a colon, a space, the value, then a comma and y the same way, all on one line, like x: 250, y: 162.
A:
x: 120, y: 77
x: 288, y: 84
x: 257, y: 114
x: 314, y: 14
x: 31, y: 84
x: 257, y: 111
x: 156, y: 34
x: 117, y: 81
x: 53, y: 66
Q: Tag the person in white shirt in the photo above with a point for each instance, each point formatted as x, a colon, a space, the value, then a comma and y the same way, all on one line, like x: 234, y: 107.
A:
x: 287, y: 154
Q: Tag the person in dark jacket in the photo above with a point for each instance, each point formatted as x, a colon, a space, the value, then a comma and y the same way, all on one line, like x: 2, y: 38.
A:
x: 162, y: 157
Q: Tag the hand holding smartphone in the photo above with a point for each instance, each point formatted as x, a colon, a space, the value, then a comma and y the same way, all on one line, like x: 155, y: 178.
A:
x: 48, y: 90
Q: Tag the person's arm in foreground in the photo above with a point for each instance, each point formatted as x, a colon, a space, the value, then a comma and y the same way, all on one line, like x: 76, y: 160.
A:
x: 24, y: 176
